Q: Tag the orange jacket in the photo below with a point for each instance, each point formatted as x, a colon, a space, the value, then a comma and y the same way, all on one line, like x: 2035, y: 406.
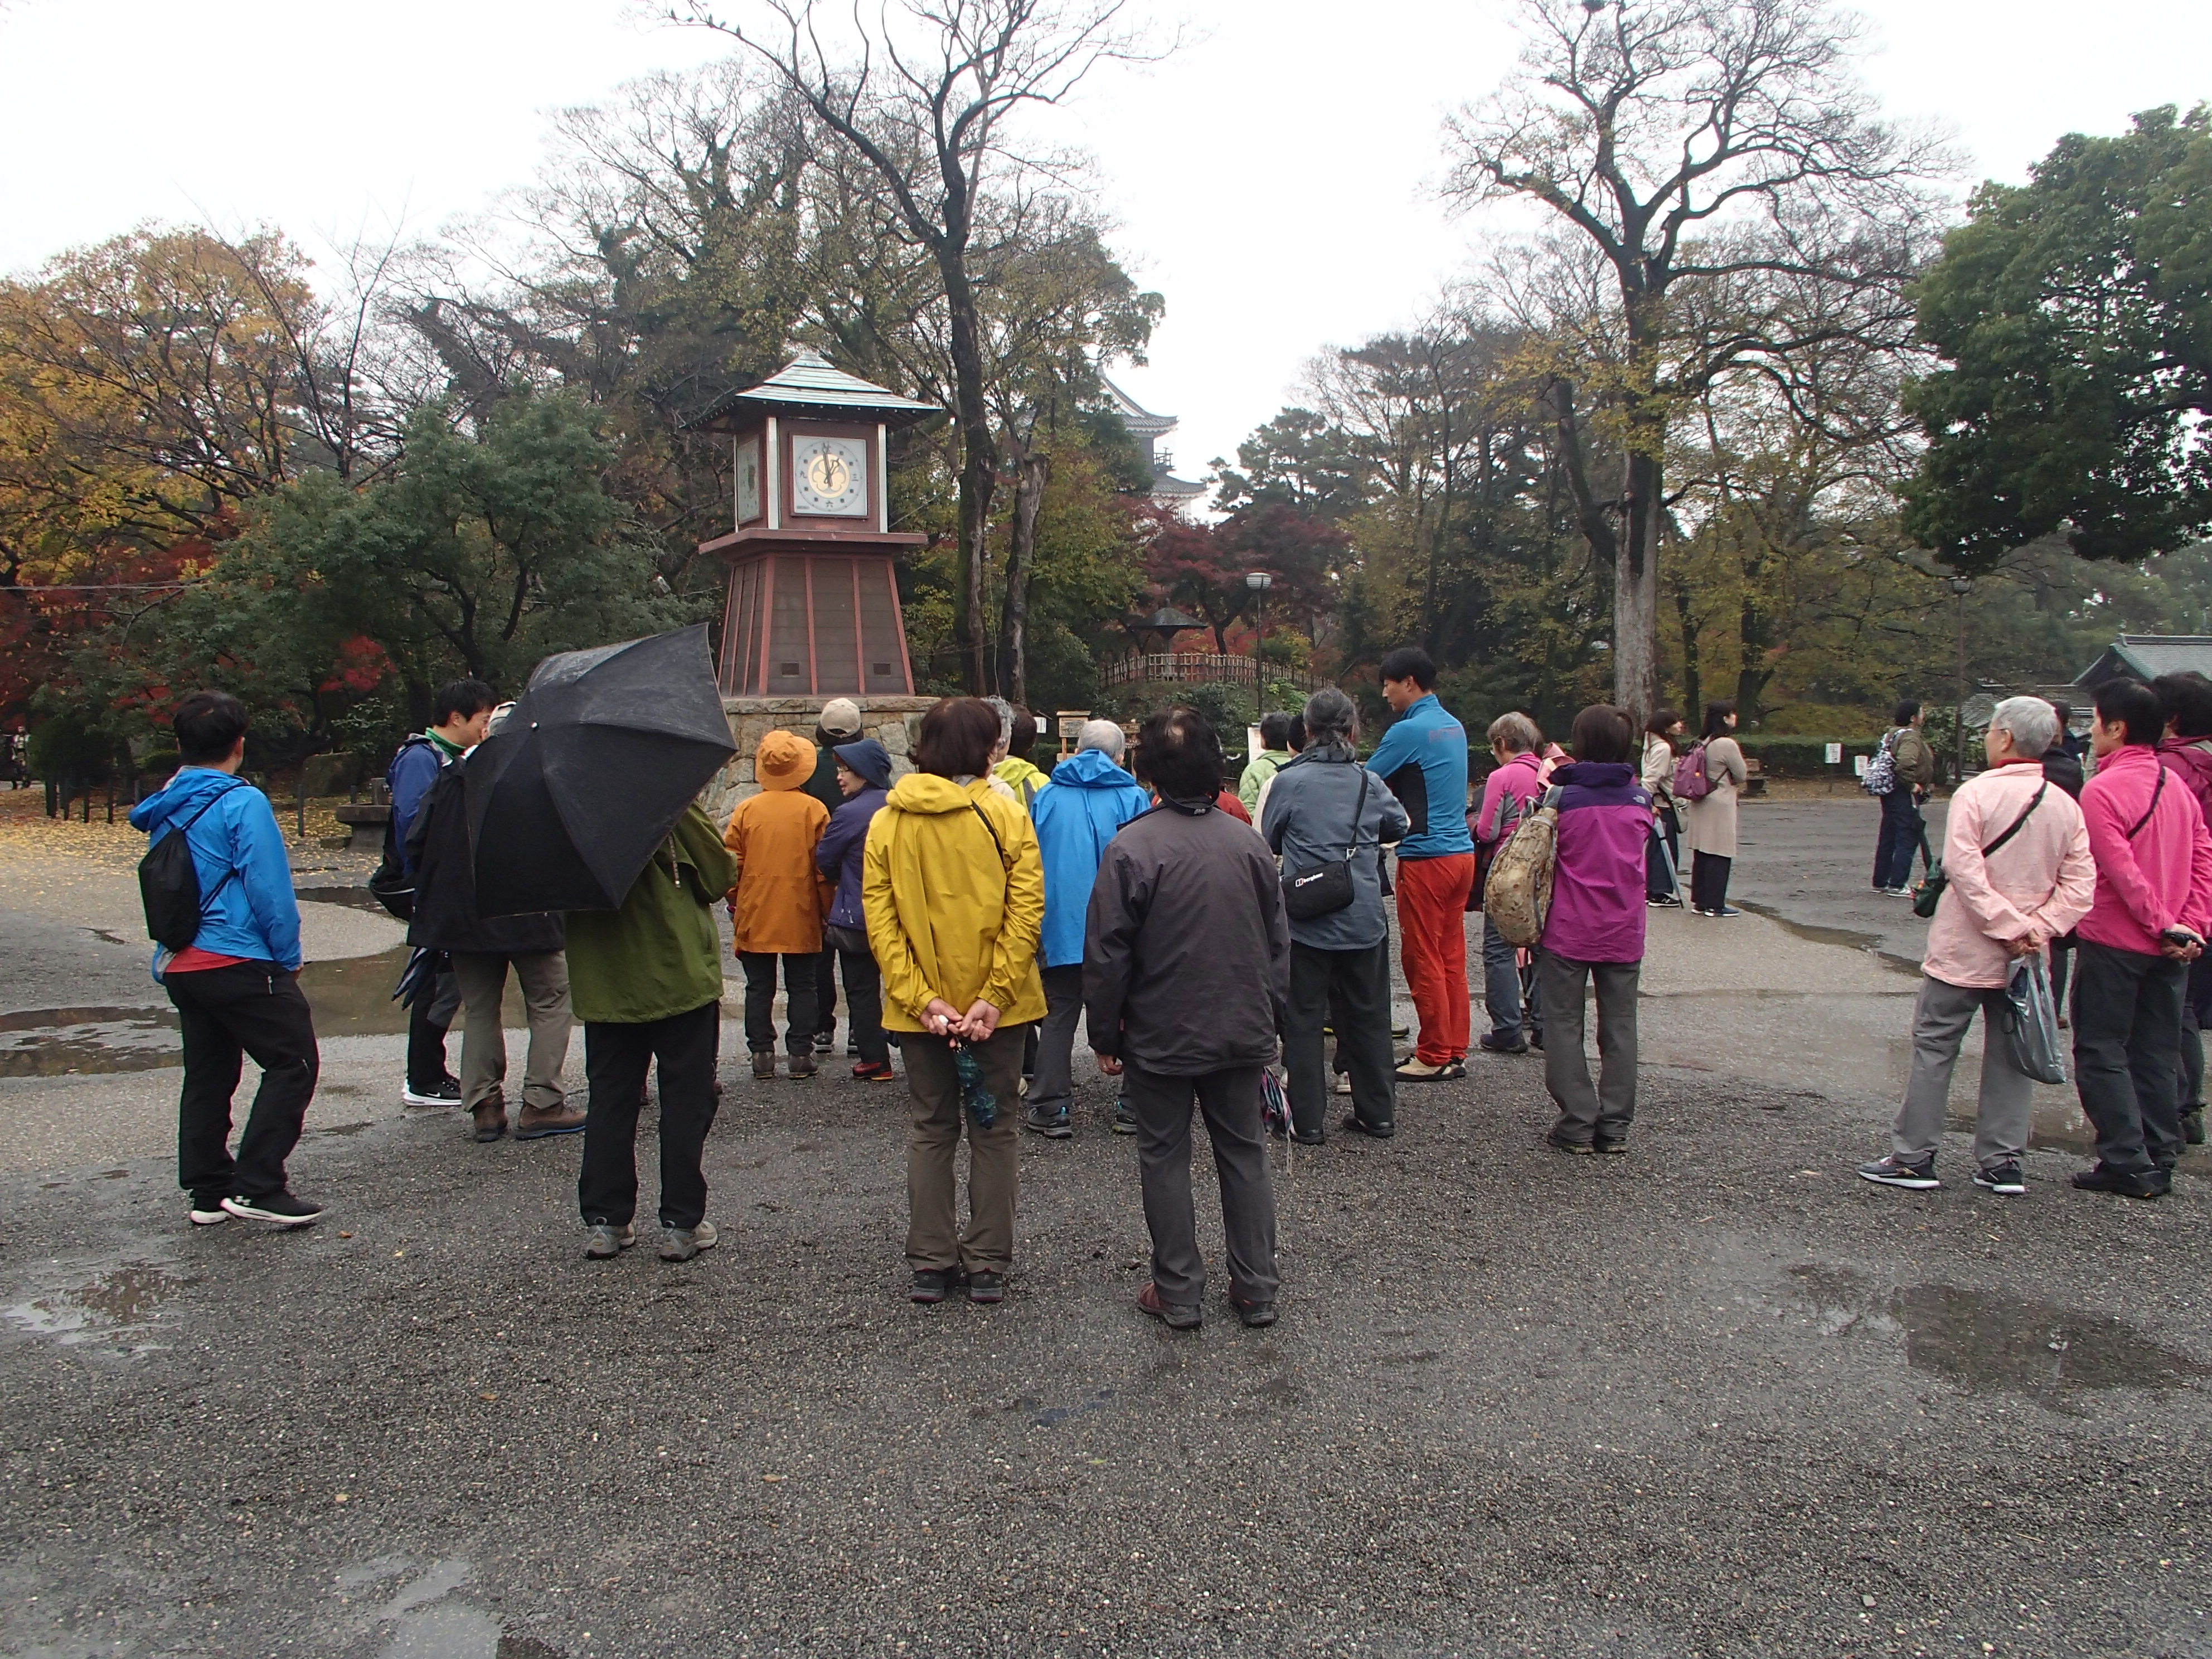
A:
x: 779, y: 897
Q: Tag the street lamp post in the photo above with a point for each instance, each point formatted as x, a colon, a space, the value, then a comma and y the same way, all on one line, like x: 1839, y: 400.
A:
x: 1259, y: 581
x: 1961, y: 586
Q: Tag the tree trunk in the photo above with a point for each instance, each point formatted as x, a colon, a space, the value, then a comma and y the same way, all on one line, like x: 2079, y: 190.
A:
x: 1635, y: 582
x: 1032, y: 472
x: 1693, y: 691
x: 978, y: 472
x: 1752, y: 674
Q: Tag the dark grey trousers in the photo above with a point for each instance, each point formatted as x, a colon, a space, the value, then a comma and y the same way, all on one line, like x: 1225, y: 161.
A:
x: 1352, y: 990
x: 2127, y: 1046
x: 1052, y: 1085
x: 1230, y: 1101
x: 1586, y: 1114
x: 2001, y: 1114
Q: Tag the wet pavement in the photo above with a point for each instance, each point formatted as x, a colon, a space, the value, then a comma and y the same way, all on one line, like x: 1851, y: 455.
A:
x: 1716, y: 1397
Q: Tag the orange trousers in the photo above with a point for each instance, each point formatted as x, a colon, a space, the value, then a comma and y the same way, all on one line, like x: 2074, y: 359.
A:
x: 1433, y: 950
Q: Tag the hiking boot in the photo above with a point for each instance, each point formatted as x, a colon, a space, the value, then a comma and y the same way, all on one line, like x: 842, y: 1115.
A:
x: 605, y: 1241
x: 801, y: 1067
x: 875, y: 1071
x: 682, y: 1243
x: 447, y: 1091
x: 1052, y: 1122
x: 986, y: 1286
x: 491, y: 1116
x: 932, y: 1285
x: 1176, y: 1315
x: 280, y: 1209
x: 1415, y: 1069
x: 763, y: 1065
x: 536, y: 1122
x: 2097, y: 1178
x: 2003, y: 1177
x: 1559, y: 1143
x: 2193, y: 1126
x: 1492, y: 1043
x: 1894, y: 1172
x: 1125, y: 1120
x: 1256, y: 1315
x: 1611, y: 1146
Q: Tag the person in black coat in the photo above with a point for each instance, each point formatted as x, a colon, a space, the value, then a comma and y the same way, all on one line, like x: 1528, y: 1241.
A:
x: 1186, y: 968
x: 2061, y: 765
x: 482, y: 950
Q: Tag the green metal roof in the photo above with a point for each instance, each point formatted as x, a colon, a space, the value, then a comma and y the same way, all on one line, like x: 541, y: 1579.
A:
x: 810, y: 381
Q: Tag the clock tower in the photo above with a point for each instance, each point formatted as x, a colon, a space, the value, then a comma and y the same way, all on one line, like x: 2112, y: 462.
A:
x: 813, y: 609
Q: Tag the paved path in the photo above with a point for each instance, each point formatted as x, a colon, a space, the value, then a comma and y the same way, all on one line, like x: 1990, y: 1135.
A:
x: 1713, y: 1398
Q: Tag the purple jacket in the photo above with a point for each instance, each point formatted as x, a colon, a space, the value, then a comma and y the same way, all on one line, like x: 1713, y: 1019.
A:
x: 1597, y: 893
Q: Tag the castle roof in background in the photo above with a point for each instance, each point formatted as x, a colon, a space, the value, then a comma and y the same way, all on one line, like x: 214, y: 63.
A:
x: 1148, y: 428
x: 2146, y: 656
x: 810, y: 382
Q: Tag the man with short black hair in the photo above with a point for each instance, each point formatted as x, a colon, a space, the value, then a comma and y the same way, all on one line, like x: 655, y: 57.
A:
x: 1911, y: 769
x: 235, y: 986
x: 459, y: 716
x: 1423, y: 758
x: 2148, y: 920
x: 1186, y: 968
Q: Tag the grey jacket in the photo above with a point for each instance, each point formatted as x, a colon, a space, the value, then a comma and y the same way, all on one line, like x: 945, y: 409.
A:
x: 1186, y: 955
x: 1308, y: 822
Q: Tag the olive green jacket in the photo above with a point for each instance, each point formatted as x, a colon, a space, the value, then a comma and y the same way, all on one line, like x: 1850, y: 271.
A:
x: 1914, y: 760
x: 658, y: 956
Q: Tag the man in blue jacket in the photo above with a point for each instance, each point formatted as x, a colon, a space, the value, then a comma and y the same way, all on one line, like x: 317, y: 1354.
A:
x: 459, y: 720
x: 234, y: 986
x: 1090, y: 798
x: 1423, y: 758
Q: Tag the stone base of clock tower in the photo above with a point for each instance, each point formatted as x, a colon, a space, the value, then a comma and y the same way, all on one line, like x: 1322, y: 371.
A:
x: 891, y: 721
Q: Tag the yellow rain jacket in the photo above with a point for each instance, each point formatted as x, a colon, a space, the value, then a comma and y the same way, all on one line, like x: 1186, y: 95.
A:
x: 950, y: 914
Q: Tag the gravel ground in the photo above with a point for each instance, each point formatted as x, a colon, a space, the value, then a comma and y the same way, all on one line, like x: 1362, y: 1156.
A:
x: 1716, y: 1397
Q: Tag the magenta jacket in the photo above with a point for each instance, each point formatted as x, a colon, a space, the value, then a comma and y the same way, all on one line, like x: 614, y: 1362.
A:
x: 1597, y: 892
x: 2161, y: 876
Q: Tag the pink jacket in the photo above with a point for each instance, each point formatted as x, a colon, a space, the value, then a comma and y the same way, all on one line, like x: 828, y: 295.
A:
x: 1508, y: 795
x: 2040, y: 881
x: 2159, y: 877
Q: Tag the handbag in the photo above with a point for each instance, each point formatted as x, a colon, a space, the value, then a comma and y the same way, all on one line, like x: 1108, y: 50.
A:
x: 851, y: 941
x: 1325, y: 888
x: 1933, y: 883
x: 2030, y: 1016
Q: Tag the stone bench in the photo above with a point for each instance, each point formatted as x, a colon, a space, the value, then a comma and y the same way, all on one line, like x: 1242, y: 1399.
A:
x: 365, y: 824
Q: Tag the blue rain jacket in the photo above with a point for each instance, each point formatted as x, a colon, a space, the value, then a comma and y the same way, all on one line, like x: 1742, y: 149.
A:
x: 1089, y: 799
x: 254, y: 915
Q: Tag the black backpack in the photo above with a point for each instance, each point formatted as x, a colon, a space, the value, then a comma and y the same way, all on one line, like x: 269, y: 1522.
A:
x: 169, y: 884
x: 392, y: 885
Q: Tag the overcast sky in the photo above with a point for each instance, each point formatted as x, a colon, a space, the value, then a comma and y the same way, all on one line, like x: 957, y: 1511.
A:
x: 1273, y: 178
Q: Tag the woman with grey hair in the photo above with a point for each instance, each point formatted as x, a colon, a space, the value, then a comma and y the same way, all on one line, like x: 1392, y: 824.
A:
x: 2018, y: 874
x: 1329, y: 817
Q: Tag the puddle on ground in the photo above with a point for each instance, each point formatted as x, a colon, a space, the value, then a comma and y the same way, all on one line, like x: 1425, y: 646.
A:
x: 1849, y: 938
x: 1986, y: 1339
x: 55, y: 1041
x: 352, y: 898
x: 352, y: 995
x: 111, y: 1305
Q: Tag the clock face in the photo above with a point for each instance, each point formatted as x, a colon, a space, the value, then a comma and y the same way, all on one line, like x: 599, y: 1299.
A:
x: 748, y: 482
x: 829, y: 476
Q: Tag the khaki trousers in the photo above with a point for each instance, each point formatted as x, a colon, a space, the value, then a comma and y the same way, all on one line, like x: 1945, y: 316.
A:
x: 934, y: 1239
x: 482, y: 979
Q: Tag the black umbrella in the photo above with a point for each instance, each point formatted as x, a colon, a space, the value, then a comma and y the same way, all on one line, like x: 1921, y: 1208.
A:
x: 597, y: 760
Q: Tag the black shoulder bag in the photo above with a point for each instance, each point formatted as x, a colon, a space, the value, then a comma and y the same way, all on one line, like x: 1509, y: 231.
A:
x: 1933, y: 883
x: 169, y: 883
x: 1308, y: 895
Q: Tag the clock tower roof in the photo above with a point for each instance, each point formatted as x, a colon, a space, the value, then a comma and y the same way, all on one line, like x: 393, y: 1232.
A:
x: 811, y: 384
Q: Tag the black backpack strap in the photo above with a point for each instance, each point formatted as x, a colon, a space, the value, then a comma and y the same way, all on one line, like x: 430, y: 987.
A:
x: 1006, y: 871
x: 206, y: 807
x: 2018, y: 822
x: 2154, y: 792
